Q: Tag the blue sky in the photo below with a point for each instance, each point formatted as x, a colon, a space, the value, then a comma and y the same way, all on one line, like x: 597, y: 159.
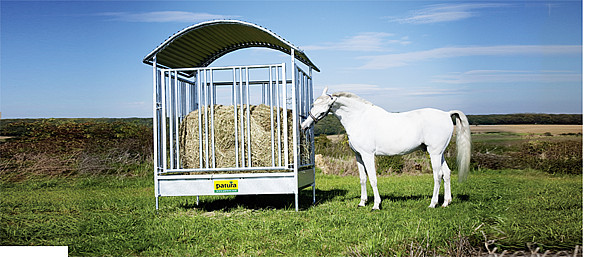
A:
x: 84, y: 59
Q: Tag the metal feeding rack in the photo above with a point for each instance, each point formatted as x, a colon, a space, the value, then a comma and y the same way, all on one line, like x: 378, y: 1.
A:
x: 194, y: 152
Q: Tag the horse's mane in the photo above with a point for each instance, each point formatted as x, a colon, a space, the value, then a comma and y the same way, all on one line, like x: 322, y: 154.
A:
x: 352, y: 96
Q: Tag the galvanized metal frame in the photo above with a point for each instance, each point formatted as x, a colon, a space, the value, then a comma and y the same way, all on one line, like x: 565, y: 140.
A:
x: 201, y: 44
x: 176, y: 94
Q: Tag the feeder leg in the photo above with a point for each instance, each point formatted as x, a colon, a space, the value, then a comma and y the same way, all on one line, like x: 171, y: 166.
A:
x: 314, y: 194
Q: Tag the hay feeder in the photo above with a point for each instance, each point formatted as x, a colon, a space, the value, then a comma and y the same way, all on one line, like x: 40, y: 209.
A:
x: 230, y: 130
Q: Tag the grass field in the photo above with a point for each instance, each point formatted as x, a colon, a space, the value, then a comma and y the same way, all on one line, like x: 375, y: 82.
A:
x: 112, y: 215
x: 61, y: 184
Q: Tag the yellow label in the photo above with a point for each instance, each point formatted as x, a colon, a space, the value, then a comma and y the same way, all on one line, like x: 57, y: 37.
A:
x: 226, y: 186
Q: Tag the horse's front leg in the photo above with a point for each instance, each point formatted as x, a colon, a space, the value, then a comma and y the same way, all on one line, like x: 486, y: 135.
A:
x: 363, y: 180
x: 369, y: 162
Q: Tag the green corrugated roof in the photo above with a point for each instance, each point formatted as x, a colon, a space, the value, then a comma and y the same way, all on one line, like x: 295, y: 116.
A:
x: 201, y: 44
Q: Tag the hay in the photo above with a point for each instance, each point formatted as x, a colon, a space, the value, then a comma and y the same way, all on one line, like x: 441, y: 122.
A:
x: 224, y: 136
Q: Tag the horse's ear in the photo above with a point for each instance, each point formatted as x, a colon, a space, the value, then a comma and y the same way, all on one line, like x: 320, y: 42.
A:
x: 324, y: 91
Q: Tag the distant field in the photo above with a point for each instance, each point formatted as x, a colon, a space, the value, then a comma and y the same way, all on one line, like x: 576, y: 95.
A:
x: 528, y: 129
x: 517, y: 129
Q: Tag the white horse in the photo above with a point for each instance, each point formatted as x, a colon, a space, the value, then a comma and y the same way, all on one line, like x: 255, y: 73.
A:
x: 373, y: 131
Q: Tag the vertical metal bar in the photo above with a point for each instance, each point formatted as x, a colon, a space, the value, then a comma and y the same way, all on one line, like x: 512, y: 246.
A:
x: 295, y: 116
x: 243, y: 153
x: 300, y: 93
x: 156, y: 104
x: 285, y: 118
x: 188, y: 97
x: 184, y: 99
x: 205, y: 92
x: 299, y: 101
x: 178, y: 101
x: 212, y: 116
x: 232, y: 87
x: 171, y: 121
x: 248, y: 118
x: 271, y: 110
x: 306, y: 93
x: 312, y: 129
x: 314, y: 189
x: 312, y: 136
x: 235, y: 117
x: 199, y: 98
x: 192, y: 97
x: 295, y: 127
x: 300, y: 108
x: 155, y: 117
x: 278, y: 100
x: 306, y: 105
x: 262, y: 92
x: 305, y: 112
x: 194, y: 94
x: 164, y: 119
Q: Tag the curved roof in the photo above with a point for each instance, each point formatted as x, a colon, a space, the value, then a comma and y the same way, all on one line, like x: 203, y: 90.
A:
x: 201, y: 44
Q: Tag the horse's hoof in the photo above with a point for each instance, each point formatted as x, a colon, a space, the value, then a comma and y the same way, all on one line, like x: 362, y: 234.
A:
x: 432, y: 206
x: 376, y: 208
x: 446, y: 203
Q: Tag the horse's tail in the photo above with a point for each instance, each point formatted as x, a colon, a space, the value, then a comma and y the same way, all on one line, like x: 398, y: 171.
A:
x: 463, y: 144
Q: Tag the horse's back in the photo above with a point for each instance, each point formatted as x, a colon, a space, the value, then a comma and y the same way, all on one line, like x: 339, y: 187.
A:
x: 424, y: 118
x: 401, y: 133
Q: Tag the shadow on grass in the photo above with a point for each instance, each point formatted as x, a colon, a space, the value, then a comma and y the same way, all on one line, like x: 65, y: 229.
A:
x: 404, y: 198
x: 259, y: 202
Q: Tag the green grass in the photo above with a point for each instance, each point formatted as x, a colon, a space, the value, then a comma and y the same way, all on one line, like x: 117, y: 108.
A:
x: 86, y: 185
x: 112, y: 215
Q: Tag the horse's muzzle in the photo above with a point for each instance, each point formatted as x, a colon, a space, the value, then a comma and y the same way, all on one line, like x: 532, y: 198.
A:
x: 306, y: 124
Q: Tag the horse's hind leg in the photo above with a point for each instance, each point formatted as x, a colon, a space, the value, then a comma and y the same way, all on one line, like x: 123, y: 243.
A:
x: 447, y: 190
x: 436, y: 166
x: 363, y: 180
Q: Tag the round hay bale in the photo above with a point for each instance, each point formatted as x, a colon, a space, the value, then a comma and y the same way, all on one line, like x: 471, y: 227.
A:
x: 224, y: 136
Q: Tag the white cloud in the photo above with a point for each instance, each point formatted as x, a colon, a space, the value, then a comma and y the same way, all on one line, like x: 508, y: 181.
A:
x: 397, y: 60
x: 356, y: 88
x: 366, y: 41
x: 508, y: 76
x: 140, y: 103
x: 444, y: 13
x: 376, y: 90
x: 164, y: 16
x: 431, y: 91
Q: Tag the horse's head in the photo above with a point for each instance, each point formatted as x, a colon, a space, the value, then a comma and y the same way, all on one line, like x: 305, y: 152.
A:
x: 319, y: 110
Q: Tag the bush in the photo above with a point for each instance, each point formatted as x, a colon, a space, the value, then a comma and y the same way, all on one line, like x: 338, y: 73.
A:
x: 546, y: 154
x: 337, y: 149
x: 561, y: 157
x: 65, y: 147
x: 553, y: 157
